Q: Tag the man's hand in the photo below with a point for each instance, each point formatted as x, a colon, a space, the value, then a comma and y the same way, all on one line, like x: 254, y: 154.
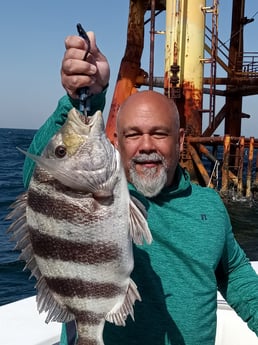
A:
x: 76, y: 73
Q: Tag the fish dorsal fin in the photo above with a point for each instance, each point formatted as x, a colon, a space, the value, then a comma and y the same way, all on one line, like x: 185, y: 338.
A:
x: 138, y: 226
x: 119, y: 314
x: 19, y: 231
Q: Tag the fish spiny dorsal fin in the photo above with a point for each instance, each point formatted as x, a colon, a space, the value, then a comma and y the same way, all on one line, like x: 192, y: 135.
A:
x: 20, y: 233
x: 138, y: 226
x: 118, y: 315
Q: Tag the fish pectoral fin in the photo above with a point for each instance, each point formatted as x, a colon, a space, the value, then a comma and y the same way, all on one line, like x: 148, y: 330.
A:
x: 139, y: 205
x: 119, y: 314
x: 138, y: 226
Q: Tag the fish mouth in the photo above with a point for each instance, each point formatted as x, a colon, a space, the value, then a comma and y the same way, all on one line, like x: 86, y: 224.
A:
x: 86, y: 120
x: 81, y: 123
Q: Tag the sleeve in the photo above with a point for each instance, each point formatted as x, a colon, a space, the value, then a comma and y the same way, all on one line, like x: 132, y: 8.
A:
x: 68, y: 333
x: 63, y: 338
x: 238, y: 281
x: 52, y: 125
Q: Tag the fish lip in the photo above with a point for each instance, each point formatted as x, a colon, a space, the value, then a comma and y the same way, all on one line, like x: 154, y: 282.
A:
x: 79, y: 122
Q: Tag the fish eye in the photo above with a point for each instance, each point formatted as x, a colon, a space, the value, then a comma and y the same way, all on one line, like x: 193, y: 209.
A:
x: 60, y: 151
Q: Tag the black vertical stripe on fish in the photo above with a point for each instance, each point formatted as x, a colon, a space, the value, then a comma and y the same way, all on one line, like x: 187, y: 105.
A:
x: 87, y: 317
x: 67, y: 287
x: 61, y: 209
x: 43, y: 177
x: 87, y: 341
x: 50, y: 247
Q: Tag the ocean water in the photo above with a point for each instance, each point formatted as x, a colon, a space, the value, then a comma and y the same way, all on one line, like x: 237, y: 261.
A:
x: 14, y: 282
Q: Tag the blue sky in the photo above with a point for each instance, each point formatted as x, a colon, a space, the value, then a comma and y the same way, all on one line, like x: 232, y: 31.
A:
x: 32, y: 37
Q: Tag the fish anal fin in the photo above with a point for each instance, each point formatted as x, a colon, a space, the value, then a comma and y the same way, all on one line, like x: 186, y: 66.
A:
x: 138, y: 226
x: 118, y: 315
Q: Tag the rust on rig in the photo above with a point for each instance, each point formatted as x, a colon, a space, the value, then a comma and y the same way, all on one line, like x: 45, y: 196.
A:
x: 131, y: 62
x: 193, y: 55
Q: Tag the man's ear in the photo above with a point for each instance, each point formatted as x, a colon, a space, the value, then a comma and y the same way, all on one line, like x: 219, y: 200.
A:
x: 115, y: 140
x: 181, y: 139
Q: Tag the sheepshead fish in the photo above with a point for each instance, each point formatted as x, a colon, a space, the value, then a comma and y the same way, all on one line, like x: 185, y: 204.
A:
x: 75, y: 226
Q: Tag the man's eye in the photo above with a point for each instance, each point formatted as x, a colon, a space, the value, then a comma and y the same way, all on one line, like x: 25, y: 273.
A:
x: 159, y: 135
x: 132, y: 135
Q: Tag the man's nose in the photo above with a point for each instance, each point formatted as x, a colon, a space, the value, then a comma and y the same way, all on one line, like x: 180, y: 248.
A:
x: 147, y: 143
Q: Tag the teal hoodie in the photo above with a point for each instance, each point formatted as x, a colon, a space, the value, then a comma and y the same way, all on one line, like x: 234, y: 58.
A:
x: 193, y: 253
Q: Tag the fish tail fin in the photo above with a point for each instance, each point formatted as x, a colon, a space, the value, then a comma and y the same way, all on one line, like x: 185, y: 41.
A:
x: 118, y: 315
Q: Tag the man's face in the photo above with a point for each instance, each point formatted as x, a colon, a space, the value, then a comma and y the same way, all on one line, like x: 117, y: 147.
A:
x: 149, y: 142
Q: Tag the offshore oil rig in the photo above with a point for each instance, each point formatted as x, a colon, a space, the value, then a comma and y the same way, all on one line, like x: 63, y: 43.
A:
x: 198, y: 67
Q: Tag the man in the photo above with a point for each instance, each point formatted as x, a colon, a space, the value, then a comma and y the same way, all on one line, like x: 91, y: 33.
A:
x: 193, y: 251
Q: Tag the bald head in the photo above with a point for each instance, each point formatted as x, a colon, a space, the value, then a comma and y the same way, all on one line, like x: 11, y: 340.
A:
x: 153, y: 100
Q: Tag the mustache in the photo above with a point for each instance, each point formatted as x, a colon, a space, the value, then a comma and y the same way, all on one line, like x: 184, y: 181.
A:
x: 145, y: 157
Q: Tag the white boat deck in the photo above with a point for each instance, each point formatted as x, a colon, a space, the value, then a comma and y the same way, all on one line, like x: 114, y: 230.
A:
x: 20, y: 324
x: 231, y: 329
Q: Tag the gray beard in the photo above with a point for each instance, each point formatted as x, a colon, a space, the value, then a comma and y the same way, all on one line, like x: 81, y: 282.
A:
x: 151, y: 184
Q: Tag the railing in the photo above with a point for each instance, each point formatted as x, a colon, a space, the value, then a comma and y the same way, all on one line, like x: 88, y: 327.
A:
x: 247, y: 64
x: 228, y: 164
